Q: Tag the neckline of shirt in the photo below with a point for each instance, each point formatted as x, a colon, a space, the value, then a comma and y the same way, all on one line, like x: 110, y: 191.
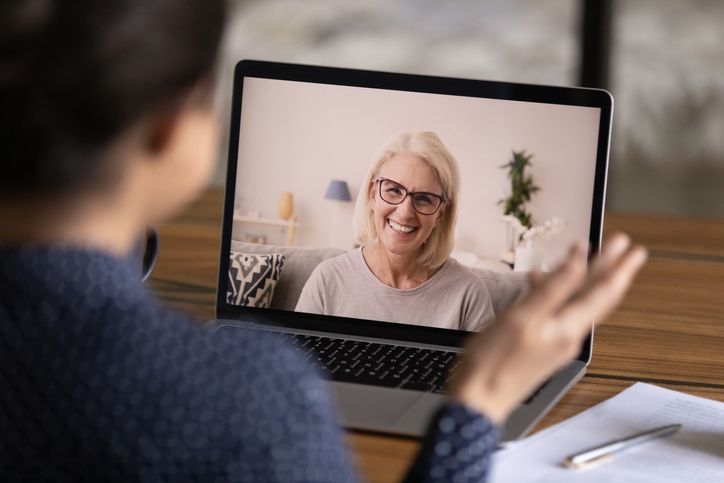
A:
x: 360, y: 260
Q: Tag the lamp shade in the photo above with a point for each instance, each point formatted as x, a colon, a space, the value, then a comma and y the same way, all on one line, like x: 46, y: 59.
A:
x: 337, y: 190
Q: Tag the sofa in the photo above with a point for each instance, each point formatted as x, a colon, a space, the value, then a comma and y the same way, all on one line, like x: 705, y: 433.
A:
x: 299, y: 262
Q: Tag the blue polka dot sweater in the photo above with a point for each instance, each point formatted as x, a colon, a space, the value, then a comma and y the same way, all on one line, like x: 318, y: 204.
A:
x: 98, y: 382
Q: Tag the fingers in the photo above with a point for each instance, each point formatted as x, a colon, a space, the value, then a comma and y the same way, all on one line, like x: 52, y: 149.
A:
x: 553, y: 290
x: 511, y: 356
x: 615, y: 246
x: 607, y: 287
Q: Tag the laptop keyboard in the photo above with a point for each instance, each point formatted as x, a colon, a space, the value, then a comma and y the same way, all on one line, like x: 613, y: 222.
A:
x: 377, y: 364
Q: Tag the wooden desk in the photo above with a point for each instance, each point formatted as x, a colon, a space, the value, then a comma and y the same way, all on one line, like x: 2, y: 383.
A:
x: 669, y: 330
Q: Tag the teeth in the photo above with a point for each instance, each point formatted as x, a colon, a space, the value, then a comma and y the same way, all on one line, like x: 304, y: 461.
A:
x: 400, y: 228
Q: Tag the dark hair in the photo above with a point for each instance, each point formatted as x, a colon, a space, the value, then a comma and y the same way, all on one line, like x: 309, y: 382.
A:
x: 75, y: 75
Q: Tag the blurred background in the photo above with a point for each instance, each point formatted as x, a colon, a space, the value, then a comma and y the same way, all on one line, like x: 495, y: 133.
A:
x: 663, y: 61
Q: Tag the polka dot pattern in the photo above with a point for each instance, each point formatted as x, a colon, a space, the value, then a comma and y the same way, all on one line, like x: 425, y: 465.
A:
x: 457, y: 448
x: 98, y: 382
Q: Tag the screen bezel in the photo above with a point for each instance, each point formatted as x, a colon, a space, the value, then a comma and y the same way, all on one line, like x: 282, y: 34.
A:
x: 572, y: 96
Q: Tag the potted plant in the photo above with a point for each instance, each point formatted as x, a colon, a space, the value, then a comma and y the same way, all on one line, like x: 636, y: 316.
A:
x: 522, y: 231
x: 522, y: 188
x: 515, y: 211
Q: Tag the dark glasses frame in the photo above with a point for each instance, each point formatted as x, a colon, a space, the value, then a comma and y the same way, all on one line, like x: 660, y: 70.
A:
x: 441, y: 199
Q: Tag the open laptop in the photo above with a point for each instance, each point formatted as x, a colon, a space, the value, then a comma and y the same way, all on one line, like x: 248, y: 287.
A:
x: 302, y: 139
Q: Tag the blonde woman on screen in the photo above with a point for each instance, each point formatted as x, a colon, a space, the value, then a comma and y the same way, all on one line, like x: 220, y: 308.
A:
x: 405, y: 218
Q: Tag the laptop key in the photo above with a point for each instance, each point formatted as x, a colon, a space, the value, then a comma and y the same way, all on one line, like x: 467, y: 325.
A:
x: 363, y: 377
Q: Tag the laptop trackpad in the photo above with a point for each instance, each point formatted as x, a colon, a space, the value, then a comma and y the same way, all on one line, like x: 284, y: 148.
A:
x: 372, y: 407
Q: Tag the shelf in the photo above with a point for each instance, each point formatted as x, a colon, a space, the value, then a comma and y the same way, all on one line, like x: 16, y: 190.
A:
x: 291, y: 225
x: 265, y: 221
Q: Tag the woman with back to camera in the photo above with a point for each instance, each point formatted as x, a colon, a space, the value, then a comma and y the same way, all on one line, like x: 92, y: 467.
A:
x: 405, y: 218
x: 106, y: 127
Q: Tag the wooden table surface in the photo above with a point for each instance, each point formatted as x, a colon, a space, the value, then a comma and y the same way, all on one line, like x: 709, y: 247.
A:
x: 669, y: 331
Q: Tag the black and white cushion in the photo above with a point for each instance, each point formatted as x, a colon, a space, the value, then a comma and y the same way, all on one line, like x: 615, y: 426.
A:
x: 253, y: 278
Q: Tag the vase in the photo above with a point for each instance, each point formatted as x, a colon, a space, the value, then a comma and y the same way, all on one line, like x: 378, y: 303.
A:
x: 285, y: 207
x: 525, y: 258
x: 511, y: 240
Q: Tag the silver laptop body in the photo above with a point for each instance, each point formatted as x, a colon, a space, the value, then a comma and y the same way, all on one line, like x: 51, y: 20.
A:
x: 365, y: 406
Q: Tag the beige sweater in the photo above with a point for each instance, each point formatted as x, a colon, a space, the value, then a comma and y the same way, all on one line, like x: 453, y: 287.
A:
x: 453, y: 298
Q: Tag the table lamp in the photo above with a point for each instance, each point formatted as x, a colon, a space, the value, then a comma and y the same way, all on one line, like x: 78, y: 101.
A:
x: 337, y: 191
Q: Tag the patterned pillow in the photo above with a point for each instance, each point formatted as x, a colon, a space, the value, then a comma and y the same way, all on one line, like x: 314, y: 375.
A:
x: 253, y: 278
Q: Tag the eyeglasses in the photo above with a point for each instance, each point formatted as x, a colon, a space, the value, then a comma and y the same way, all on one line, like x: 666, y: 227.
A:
x: 394, y: 193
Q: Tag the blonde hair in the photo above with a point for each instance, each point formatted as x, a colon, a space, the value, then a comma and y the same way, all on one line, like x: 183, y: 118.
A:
x: 427, y: 146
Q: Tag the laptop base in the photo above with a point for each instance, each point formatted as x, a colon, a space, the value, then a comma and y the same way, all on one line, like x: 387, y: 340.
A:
x: 408, y: 412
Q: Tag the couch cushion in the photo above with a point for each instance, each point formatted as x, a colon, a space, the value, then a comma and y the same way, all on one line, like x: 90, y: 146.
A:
x: 299, y: 262
x: 504, y: 288
x: 253, y: 278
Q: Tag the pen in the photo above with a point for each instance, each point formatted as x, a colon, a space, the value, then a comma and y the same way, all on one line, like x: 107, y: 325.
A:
x: 605, y: 451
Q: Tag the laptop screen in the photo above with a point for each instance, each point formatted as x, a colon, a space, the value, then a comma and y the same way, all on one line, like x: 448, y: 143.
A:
x: 404, y: 199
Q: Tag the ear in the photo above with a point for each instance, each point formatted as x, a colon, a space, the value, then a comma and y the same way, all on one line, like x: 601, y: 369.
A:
x: 439, y: 216
x: 160, y: 130
x: 174, y: 157
x: 167, y: 122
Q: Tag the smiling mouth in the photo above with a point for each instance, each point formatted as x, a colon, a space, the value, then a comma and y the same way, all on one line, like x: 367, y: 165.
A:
x: 400, y: 228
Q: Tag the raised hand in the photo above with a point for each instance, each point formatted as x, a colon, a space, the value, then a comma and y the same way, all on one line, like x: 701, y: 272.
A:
x: 531, y: 340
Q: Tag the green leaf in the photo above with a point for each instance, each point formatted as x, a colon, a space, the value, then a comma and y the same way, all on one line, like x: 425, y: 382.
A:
x: 522, y: 187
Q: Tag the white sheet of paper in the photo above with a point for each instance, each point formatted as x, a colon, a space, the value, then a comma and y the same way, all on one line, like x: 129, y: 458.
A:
x: 694, y: 454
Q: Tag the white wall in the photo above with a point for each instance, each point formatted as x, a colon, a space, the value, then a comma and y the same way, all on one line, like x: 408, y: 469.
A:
x: 297, y: 137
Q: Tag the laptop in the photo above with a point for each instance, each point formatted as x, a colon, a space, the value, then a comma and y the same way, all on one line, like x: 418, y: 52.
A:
x: 301, y: 142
